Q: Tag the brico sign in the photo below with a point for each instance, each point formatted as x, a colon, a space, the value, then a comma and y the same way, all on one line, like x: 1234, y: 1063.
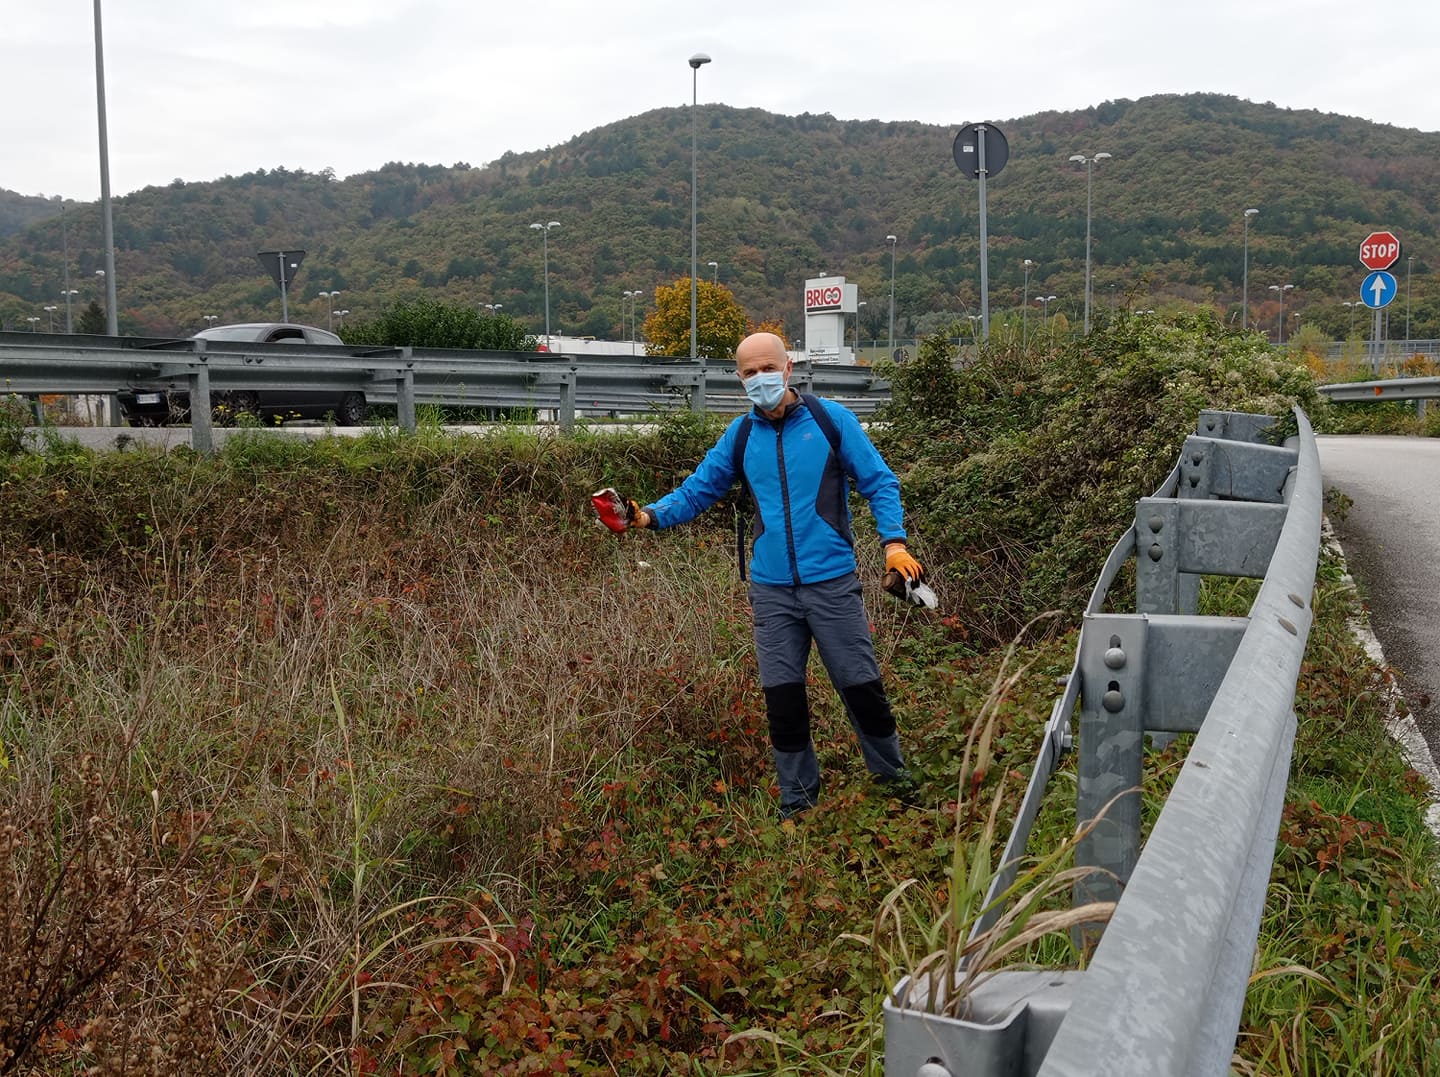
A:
x: 828, y: 297
x: 1380, y: 250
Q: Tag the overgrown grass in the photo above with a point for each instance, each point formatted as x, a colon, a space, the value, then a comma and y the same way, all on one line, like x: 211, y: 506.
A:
x: 379, y: 755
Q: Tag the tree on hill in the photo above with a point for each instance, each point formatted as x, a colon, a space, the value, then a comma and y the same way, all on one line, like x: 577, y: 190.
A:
x: 720, y: 321
x: 429, y: 323
x: 91, y: 321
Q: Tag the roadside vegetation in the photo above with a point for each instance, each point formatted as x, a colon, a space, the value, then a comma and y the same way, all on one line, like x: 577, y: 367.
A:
x: 379, y: 755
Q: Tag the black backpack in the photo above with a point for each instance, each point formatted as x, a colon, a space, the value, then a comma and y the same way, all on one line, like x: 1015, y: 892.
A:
x: 742, y: 438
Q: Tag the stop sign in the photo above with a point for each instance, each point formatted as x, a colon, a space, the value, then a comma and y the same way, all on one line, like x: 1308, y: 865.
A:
x: 1381, y: 250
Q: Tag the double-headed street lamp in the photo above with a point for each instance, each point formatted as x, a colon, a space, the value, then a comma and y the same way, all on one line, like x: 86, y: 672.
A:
x: 32, y: 319
x: 1089, y: 163
x: 1245, y: 275
x: 1025, y: 306
x: 493, y: 307
x: 892, y: 241
x: 1280, y: 290
x: 329, y: 298
x: 210, y: 320
x: 858, y: 305
x: 68, y: 294
x: 50, y: 312
x: 1045, y: 301
x: 340, y: 316
x: 544, y: 230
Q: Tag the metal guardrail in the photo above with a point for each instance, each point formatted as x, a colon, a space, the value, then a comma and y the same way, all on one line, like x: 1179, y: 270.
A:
x: 1385, y: 389
x: 568, y: 385
x: 1164, y: 990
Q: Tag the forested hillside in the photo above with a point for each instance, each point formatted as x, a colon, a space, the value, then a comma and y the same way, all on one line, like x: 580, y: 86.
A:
x: 782, y: 198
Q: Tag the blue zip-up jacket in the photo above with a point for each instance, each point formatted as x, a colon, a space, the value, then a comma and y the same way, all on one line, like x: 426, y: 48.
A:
x: 802, y: 530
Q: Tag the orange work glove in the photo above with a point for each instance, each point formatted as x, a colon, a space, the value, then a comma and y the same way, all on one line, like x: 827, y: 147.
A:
x: 898, y: 559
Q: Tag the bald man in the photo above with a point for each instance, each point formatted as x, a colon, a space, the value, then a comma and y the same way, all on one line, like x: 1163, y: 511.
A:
x: 796, y: 455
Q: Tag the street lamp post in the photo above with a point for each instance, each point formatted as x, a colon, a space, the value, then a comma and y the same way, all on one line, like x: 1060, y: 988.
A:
x: 892, y: 241
x: 340, y: 314
x: 1025, y: 306
x: 716, y: 267
x: 1245, y: 274
x: 210, y: 320
x: 1089, y: 163
x: 32, y: 319
x: 1045, y: 301
x: 50, y: 313
x: 68, y: 294
x: 632, y: 296
x: 107, y: 225
x: 1353, y: 308
x: 1409, y: 265
x: 858, y: 305
x: 1280, y: 290
x: 695, y: 62
x: 544, y: 230
x: 493, y: 307
x: 329, y: 298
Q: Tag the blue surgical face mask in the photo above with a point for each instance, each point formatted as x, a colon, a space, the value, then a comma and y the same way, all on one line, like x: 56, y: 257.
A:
x: 766, y: 389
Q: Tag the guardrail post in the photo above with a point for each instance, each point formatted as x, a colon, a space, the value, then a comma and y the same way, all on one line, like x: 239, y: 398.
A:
x: 202, y: 437
x: 567, y: 399
x: 405, y: 391
x: 1111, y: 745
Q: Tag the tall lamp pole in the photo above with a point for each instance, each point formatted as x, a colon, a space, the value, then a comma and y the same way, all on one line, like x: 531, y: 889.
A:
x: 68, y: 291
x: 544, y: 230
x: 1280, y: 290
x: 1245, y: 278
x: 716, y: 267
x: 858, y: 305
x: 695, y: 62
x: 329, y: 298
x: 1409, y: 265
x: 1089, y: 163
x: 1025, y: 306
x: 112, y: 318
x: 892, y: 241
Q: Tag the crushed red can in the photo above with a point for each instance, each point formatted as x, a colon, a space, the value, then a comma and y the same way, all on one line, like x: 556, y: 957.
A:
x: 611, y: 508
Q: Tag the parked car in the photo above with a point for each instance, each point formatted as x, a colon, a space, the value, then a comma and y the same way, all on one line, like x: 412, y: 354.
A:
x: 159, y: 407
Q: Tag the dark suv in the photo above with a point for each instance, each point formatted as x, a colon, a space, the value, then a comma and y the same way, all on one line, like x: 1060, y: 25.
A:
x: 159, y: 407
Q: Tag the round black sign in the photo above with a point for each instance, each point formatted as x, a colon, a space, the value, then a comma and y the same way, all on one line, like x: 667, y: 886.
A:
x: 967, y: 149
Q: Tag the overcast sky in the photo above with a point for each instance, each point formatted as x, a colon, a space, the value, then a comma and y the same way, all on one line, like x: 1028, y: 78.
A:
x: 198, y: 89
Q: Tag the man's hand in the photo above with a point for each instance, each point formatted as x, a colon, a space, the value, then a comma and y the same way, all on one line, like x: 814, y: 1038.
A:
x: 635, y: 515
x: 898, y: 559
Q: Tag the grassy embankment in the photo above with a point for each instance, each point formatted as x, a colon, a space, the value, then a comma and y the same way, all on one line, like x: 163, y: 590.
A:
x: 380, y: 755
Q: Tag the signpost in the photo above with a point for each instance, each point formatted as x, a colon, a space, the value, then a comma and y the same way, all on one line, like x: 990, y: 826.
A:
x: 1378, y: 252
x: 981, y: 150
x: 282, y: 266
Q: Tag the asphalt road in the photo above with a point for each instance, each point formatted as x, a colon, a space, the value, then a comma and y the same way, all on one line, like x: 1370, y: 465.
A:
x: 1391, y: 537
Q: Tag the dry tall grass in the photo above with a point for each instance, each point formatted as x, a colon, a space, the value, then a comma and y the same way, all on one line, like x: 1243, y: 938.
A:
x: 339, y: 717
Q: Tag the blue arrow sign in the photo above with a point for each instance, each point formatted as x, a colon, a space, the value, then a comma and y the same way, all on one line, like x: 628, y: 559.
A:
x: 1379, y: 289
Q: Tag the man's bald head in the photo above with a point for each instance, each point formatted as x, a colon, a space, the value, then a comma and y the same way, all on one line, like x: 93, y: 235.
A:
x: 761, y: 351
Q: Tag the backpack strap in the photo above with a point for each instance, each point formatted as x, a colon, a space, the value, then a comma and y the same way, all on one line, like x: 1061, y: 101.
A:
x: 742, y: 437
x: 825, y: 423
